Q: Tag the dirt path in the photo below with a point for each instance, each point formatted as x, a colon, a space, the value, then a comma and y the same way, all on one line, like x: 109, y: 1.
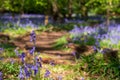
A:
x: 44, y: 45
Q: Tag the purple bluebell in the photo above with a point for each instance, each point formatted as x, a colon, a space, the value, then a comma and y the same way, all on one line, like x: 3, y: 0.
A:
x: 52, y: 63
x: 22, y: 57
x: 27, y: 72
x: 35, y: 69
x: 1, y: 58
x: 82, y: 78
x: 33, y: 36
x: 95, y: 48
x: 12, y: 61
x: 74, y: 53
x: 17, y: 53
x: 38, y: 62
x: 47, y: 73
x: 28, y: 65
x: 1, y: 50
x: 40, y: 59
x: 32, y: 51
x: 1, y: 76
x: 59, y: 77
x: 21, y: 74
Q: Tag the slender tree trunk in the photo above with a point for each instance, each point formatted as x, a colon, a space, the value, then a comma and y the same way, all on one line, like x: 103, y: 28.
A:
x: 57, y: 16
x: 108, y: 14
x: 12, y: 12
x: 70, y: 9
x: 22, y: 7
x: 108, y: 17
x: 55, y: 10
x: 21, y: 13
x: 84, y: 12
x: 46, y: 21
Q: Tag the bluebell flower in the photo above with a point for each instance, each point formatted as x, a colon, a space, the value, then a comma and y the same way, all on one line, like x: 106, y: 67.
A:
x: 32, y: 51
x: 22, y: 57
x: 52, y: 63
x: 0, y: 73
x: 33, y: 36
x: 12, y: 61
x: 16, y: 51
x: 35, y: 69
x: 95, y: 48
x: 28, y: 65
x: 40, y: 59
x: 1, y: 50
x: 47, y: 73
x: 59, y: 77
x: 21, y: 74
x: 74, y: 53
x: 27, y: 72
x: 38, y: 62
x: 82, y: 78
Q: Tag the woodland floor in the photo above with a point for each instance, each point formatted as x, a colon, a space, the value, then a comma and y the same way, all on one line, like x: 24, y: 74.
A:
x: 44, y: 45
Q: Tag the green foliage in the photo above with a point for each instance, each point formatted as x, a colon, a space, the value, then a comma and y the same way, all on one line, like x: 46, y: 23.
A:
x: 8, y: 50
x: 60, y: 43
x: 96, y: 66
x: 64, y: 8
x: 17, y: 32
x: 9, y: 69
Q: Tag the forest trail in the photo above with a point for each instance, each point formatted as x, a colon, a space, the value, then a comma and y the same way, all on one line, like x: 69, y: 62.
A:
x: 44, y: 45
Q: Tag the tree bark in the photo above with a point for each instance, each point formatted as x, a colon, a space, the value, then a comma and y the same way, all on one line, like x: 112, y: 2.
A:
x: 108, y: 17
x: 46, y: 20
x: 69, y: 9
x: 57, y: 16
x: 84, y: 12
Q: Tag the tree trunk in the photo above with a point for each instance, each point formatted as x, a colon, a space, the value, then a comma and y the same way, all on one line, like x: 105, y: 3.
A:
x: 84, y: 12
x: 70, y: 9
x: 46, y: 20
x: 108, y: 18
x: 108, y: 14
x: 57, y: 16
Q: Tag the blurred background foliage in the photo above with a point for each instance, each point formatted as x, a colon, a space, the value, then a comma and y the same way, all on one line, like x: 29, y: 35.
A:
x: 60, y: 9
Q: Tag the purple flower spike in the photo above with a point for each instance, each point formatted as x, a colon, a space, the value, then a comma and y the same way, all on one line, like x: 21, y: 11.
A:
x: 59, y: 77
x: 16, y: 51
x: 73, y: 53
x: 35, y: 69
x: 1, y: 76
x: 0, y: 73
x: 12, y: 61
x: 38, y: 62
x: 95, y: 48
x: 52, y: 63
x: 22, y: 57
x: 32, y: 51
x: 33, y: 36
x: 21, y: 75
x: 1, y: 50
x: 82, y: 78
x: 40, y: 59
x: 47, y: 73
x: 27, y: 72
